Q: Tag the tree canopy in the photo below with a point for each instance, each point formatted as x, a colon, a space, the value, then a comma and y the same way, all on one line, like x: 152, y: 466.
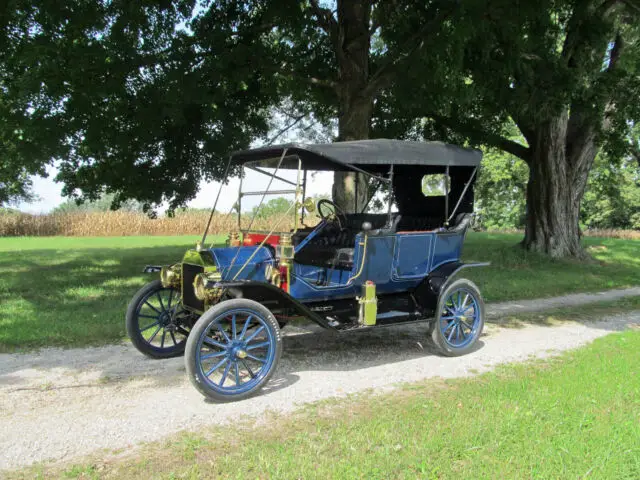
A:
x: 139, y: 99
x: 144, y: 100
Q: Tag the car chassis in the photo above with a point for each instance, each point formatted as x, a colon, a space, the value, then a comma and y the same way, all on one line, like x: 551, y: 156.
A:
x: 224, y: 307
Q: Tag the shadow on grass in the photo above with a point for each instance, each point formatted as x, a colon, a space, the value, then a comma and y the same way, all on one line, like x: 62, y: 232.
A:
x: 71, y: 297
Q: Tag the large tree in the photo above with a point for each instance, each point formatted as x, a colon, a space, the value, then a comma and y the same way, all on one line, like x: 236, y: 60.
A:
x: 336, y: 63
x: 140, y: 99
x: 567, y: 73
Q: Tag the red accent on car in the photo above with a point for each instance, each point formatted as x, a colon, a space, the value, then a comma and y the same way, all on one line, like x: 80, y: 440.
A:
x: 257, y: 238
x: 284, y: 284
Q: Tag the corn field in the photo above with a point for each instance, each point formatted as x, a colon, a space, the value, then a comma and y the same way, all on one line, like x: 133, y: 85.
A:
x: 121, y: 223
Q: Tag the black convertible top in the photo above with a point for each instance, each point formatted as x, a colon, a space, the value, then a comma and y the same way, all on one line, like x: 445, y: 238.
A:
x: 360, y: 153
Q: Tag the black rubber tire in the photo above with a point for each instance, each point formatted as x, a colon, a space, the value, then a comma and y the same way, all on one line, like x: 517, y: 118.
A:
x: 436, y: 336
x: 203, y: 324
x: 133, y: 329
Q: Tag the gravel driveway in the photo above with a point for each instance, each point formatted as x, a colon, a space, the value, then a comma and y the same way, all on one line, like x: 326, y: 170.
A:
x: 58, y: 404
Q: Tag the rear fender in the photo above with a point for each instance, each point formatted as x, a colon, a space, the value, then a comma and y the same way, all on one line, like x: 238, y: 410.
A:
x: 271, y: 297
x: 428, y: 292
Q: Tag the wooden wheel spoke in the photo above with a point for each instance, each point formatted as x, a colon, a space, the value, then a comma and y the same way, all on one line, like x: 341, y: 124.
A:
x: 217, y: 366
x: 255, y: 334
x: 152, y: 307
x: 148, y: 327
x: 224, y: 334
x: 160, y: 300
x: 257, y: 345
x: 246, y: 365
x: 245, y: 327
x: 226, y: 373
x: 451, y: 334
x: 213, y: 355
x: 212, y: 343
x: 154, y: 334
x: 255, y: 358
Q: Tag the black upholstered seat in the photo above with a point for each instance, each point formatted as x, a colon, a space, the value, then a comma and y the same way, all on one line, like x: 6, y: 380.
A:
x: 333, y: 247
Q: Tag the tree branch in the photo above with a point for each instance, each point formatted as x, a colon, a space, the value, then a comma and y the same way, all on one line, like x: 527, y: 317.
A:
x: 415, y: 42
x: 285, y: 129
x: 489, y: 138
x: 329, y: 24
x: 616, y: 50
x: 325, y: 17
x: 633, y: 5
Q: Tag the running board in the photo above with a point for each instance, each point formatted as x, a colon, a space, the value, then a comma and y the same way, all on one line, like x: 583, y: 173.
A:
x: 385, y: 321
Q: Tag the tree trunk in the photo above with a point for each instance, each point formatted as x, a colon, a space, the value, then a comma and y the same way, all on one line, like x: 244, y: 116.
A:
x: 355, y: 109
x: 561, y: 157
x: 353, y: 124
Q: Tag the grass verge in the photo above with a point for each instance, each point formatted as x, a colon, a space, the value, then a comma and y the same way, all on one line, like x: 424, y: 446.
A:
x: 65, y: 291
x: 572, y: 416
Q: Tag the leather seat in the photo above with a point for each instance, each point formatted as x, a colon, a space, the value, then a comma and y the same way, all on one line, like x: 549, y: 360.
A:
x: 410, y: 223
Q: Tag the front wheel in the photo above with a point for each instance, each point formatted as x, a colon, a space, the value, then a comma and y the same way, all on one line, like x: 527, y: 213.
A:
x: 157, y: 324
x: 459, y: 319
x: 233, y: 350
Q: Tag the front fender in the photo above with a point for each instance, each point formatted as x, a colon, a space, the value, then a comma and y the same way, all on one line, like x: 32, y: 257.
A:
x: 271, y: 297
x: 152, y: 268
x: 428, y: 292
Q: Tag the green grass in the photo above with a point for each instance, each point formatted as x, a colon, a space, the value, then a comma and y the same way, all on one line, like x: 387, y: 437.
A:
x: 74, y: 291
x: 515, y: 274
x: 61, y: 291
x: 574, y: 416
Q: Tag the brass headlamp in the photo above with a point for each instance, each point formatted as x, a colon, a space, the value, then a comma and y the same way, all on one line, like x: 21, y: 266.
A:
x: 205, y: 286
x: 170, y: 276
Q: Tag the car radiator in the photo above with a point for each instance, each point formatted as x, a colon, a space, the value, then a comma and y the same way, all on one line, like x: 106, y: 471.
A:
x: 189, y: 299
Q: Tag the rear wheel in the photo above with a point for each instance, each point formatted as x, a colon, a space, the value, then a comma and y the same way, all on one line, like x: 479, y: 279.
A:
x: 459, y: 319
x: 157, y: 324
x: 233, y: 350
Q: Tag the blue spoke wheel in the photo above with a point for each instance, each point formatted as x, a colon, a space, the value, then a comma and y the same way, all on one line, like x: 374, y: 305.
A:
x: 459, y: 319
x: 157, y: 324
x: 233, y: 350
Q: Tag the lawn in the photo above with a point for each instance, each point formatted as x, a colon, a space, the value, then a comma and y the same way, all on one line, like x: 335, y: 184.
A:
x: 62, y: 291
x: 573, y: 416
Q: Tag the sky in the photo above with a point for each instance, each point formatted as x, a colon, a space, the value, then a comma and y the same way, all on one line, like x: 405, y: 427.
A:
x: 49, y: 192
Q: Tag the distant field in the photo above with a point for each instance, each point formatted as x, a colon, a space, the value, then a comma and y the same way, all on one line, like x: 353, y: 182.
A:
x: 122, y: 223
x: 119, y: 223
x: 68, y: 291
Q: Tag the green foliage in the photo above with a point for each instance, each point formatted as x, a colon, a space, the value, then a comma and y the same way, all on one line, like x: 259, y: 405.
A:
x: 500, y: 191
x: 143, y: 100
x: 276, y: 207
x: 612, y: 199
x: 435, y: 185
x: 15, y: 183
x: 103, y: 204
x: 9, y: 211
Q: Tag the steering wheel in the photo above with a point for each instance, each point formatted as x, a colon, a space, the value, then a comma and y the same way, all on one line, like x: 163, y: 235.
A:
x: 330, y: 212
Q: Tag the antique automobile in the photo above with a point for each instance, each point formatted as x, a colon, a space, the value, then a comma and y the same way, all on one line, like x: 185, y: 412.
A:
x: 223, y: 307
